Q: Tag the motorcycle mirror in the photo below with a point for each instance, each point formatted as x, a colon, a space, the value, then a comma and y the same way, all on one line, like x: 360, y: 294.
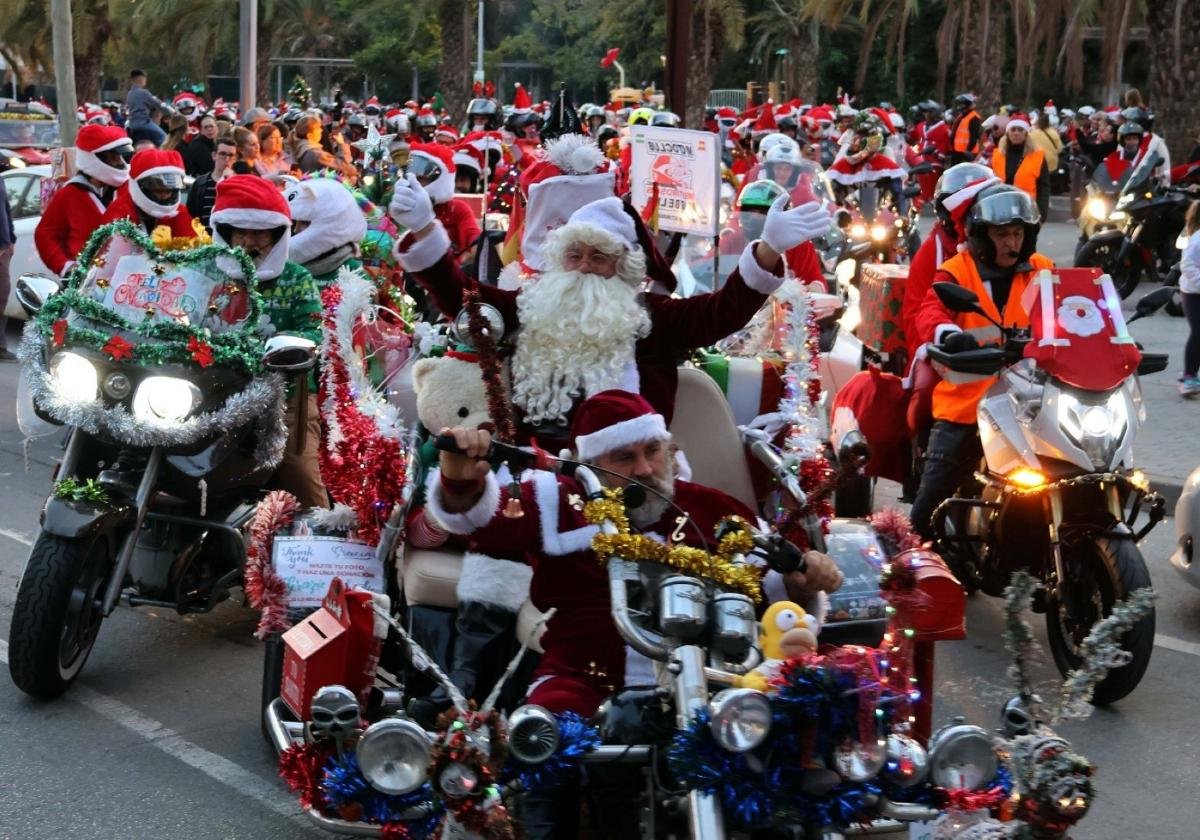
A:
x: 289, y: 354
x: 460, y: 330
x: 33, y: 290
x: 1151, y: 303
x: 958, y: 299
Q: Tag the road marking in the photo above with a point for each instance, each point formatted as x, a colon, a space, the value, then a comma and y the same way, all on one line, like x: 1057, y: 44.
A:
x: 1171, y: 643
x: 16, y: 536
x: 160, y: 737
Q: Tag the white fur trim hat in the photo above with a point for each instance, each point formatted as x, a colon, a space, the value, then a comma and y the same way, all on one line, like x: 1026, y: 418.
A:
x: 252, y: 203
x: 607, y: 216
x: 612, y: 420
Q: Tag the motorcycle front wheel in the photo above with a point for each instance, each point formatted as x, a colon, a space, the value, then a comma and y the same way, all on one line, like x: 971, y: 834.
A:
x: 1125, y: 273
x: 1109, y: 568
x: 57, y: 614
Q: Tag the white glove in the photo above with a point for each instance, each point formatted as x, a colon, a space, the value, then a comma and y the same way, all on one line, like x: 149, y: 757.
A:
x: 410, y: 205
x: 785, y: 229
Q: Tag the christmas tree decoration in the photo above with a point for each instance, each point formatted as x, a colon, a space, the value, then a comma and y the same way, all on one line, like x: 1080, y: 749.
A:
x: 299, y: 93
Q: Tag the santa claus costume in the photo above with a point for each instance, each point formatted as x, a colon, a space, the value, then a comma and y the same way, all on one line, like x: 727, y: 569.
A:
x: 192, y: 107
x: 76, y: 208
x: 133, y: 203
x: 453, y: 213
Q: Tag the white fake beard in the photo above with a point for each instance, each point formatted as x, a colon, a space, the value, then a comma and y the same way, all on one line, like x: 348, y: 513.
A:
x: 652, y: 510
x: 578, y: 333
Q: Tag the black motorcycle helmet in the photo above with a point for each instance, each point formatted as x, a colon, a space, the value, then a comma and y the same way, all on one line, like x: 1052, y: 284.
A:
x: 162, y: 188
x: 963, y: 102
x: 485, y: 111
x: 788, y: 126
x: 954, y: 179
x: 997, y: 206
x: 606, y: 133
x: 517, y: 122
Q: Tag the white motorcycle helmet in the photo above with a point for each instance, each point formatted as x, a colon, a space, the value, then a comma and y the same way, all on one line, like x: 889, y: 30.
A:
x: 782, y: 153
x: 771, y: 141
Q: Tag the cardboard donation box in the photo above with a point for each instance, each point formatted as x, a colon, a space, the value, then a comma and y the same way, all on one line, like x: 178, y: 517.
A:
x: 337, y: 644
x: 881, y: 298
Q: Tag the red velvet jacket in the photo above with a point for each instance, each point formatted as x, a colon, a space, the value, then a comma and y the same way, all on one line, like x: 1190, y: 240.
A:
x: 74, y: 211
x: 122, y: 207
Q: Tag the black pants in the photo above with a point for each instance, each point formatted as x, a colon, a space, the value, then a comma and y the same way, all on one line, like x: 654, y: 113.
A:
x: 1191, y: 350
x: 950, y: 459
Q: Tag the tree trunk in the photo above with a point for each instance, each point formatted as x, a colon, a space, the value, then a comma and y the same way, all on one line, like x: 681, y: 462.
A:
x: 868, y: 40
x: 1175, y: 73
x: 703, y: 60
x: 807, y: 53
x: 981, y: 53
x: 454, y: 74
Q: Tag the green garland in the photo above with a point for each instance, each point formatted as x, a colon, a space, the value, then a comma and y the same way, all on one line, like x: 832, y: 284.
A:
x: 240, y: 348
x: 81, y: 491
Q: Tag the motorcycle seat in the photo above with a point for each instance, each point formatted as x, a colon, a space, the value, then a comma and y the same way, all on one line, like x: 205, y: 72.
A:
x: 704, y: 429
x: 431, y: 577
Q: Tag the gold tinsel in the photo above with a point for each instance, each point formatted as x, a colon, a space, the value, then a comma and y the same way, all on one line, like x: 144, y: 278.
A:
x: 719, y: 567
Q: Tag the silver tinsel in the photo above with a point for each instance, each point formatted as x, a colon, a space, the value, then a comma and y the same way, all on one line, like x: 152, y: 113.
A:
x: 261, y: 404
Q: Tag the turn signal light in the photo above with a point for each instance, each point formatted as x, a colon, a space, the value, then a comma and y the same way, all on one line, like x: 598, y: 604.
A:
x: 1026, y: 478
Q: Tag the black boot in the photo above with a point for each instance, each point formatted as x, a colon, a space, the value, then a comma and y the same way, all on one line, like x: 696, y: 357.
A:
x: 482, y: 647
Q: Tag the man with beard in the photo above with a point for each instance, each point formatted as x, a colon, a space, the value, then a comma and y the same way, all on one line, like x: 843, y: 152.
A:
x: 585, y: 660
x: 585, y: 325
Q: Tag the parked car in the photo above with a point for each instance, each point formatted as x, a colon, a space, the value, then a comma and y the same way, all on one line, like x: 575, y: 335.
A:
x: 24, y: 188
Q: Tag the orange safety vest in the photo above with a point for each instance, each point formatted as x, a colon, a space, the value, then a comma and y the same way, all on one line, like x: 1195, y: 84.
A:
x: 962, y: 135
x: 958, y: 402
x: 1026, y: 176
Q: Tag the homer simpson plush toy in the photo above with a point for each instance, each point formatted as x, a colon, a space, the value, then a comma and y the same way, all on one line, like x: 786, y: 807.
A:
x: 787, y: 631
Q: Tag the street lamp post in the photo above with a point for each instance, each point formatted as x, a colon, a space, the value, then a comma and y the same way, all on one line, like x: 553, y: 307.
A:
x: 479, y: 46
x: 248, y: 52
x: 64, y: 69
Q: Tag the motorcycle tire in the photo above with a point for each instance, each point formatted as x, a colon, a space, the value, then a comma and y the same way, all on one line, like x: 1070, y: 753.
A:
x: 854, y: 497
x: 1113, y: 569
x: 1103, y: 255
x: 57, y: 616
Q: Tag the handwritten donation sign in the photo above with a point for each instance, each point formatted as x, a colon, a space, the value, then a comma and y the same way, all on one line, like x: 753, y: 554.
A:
x: 308, y: 564
x: 685, y: 166
x: 138, y: 286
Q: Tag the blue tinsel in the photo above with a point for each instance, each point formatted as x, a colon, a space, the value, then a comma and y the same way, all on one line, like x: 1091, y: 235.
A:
x: 343, y: 784
x: 576, y: 738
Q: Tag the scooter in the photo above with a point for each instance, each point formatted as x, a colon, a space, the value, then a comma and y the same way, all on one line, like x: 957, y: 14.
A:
x: 1058, y: 495
x: 164, y: 459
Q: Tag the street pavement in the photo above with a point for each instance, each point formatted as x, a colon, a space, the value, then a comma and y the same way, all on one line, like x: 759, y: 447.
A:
x: 160, y: 736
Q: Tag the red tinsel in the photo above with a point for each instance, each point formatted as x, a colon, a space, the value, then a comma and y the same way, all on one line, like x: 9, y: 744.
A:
x: 300, y: 766
x: 455, y: 745
x: 962, y: 799
x: 394, y: 831
x: 264, y: 589
x: 365, y: 469
x: 117, y: 349
x: 60, y: 332
x: 491, y: 367
x: 894, y: 530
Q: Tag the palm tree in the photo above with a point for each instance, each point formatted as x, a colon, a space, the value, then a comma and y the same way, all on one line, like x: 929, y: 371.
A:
x: 25, y: 38
x: 717, y: 26
x: 1175, y: 71
x: 454, y: 75
x: 783, y: 25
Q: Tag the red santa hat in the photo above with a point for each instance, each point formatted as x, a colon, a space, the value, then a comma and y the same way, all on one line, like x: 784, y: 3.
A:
x: 884, y: 119
x: 958, y: 203
x: 1017, y: 120
x: 447, y: 134
x: 522, y: 103
x: 90, y: 142
x: 821, y: 113
x: 252, y: 203
x: 613, y: 420
x: 765, y: 123
x: 467, y: 155
x: 184, y: 100
x: 442, y: 156
x: 149, y: 163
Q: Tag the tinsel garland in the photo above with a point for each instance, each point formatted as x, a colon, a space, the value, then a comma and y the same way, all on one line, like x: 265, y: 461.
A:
x: 576, y: 738
x: 478, y: 742
x: 803, y: 450
x: 88, y: 490
x: 1018, y: 638
x: 365, y: 459
x: 261, y: 404
x: 300, y: 766
x: 239, y: 347
x: 894, y: 530
x: 719, y: 568
x: 486, y: 347
x: 265, y: 590
x: 990, y: 798
x: 349, y: 795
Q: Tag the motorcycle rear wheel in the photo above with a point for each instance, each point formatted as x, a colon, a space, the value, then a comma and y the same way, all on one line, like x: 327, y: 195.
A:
x: 57, y: 614
x: 1112, y: 568
x: 1125, y: 274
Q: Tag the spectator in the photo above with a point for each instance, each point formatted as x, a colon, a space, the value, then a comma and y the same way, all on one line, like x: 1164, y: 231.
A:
x: 198, y: 154
x: 177, y: 126
x: 256, y: 118
x: 271, y: 159
x: 8, y: 240
x: 308, y: 154
x: 1189, y: 287
x: 248, y: 151
x: 1043, y: 136
x: 204, y: 192
x: 140, y: 105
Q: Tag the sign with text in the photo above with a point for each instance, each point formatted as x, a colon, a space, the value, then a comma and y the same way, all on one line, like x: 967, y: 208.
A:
x: 308, y: 564
x: 685, y: 167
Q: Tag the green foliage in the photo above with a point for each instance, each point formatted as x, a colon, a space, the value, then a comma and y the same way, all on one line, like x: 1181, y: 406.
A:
x: 81, y: 491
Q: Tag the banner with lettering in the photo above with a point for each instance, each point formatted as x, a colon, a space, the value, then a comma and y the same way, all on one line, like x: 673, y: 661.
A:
x: 685, y: 166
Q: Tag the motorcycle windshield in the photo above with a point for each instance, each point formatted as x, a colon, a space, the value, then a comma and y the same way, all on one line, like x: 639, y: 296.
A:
x: 124, y: 279
x: 1103, y: 181
x: 1078, y: 331
x: 1138, y: 179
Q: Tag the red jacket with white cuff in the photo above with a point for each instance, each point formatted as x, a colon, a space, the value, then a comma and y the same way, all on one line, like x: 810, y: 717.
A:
x: 74, y: 211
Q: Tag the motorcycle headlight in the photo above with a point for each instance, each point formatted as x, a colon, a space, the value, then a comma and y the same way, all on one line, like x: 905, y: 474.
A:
x: 858, y: 231
x: 165, y: 398
x: 458, y: 780
x: 962, y: 756
x: 1181, y: 241
x: 1097, y: 208
x: 393, y: 754
x: 1117, y: 216
x: 879, y: 233
x: 74, y: 377
x: 740, y: 718
x: 1096, y: 428
x: 844, y: 272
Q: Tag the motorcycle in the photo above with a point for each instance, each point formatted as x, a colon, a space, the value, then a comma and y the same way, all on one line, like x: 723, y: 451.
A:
x: 172, y: 432
x: 1058, y: 495
x: 1099, y: 204
x: 874, y: 229
x: 1150, y: 218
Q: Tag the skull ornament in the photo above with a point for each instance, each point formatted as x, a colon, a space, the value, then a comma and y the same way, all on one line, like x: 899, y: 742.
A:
x: 334, y: 714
